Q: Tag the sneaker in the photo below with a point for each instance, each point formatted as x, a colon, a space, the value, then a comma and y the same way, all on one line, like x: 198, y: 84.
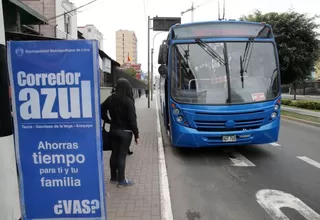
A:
x: 130, y: 152
x: 112, y: 181
x: 125, y: 183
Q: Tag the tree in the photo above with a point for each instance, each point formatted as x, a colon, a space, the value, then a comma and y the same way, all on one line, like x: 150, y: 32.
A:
x: 131, y: 71
x: 297, y: 42
x: 317, y: 69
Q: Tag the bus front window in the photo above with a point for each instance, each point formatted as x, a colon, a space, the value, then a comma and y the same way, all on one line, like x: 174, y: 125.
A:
x: 198, y: 77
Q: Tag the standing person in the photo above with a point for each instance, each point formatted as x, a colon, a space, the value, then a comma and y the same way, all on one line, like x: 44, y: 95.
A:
x: 147, y: 92
x: 113, y: 91
x: 139, y: 92
x: 123, y: 123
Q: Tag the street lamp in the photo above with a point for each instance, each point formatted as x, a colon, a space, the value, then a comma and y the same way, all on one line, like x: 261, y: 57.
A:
x: 152, y: 51
x: 159, y: 24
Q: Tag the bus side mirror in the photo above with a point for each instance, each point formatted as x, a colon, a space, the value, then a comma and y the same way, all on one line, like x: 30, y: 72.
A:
x: 163, y: 70
x: 163, y: 53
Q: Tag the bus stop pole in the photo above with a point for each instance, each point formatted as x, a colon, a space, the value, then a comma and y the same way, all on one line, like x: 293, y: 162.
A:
x: 9, y: 193
x: 152, y: 53
x: 148, y: 61
x: 151, y: 74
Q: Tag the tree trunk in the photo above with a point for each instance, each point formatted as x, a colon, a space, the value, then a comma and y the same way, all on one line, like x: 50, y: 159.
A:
x: 294, y: 90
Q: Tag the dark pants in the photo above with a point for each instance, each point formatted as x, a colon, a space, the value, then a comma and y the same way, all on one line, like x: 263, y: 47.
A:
x: 121, y: 141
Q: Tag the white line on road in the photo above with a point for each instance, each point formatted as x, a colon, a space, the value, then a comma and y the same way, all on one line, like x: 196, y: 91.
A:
x: 309, y: 161
x: 275, y: 144
x: 273, y: 200
x: 166, y: 209
x: 238, y: 160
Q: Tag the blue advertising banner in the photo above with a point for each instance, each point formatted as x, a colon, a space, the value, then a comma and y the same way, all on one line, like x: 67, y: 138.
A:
x: 57, y: 126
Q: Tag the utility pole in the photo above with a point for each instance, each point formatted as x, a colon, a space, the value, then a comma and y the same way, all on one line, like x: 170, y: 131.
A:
x: 149, y: 61
x: 152, y: 73
x: 9, y: 193
x: 192, y: 11
x: 159, y: 24
x: 223, y: 11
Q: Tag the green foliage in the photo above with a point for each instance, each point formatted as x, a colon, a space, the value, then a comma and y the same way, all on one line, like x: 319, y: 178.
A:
x: 302, y: 104
x: 131, y: 71
x: 297, y: 42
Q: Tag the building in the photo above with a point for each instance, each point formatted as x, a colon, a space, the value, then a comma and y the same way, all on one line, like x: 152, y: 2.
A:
x: 19, y: 19
x: 136, y: 67
x: 91, y: 32
x: 61, y: 18
x: 126, y: 47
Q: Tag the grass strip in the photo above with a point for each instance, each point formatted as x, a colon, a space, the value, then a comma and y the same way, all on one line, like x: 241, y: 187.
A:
x: 294, y: 115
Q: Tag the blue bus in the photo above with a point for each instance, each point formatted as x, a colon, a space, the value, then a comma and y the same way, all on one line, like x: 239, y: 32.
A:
x: 220, y: 84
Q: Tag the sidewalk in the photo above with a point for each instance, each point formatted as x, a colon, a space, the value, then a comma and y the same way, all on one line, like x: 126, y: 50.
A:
x: 302, y: 97
x: 142, y: 200
x: 301, y: 111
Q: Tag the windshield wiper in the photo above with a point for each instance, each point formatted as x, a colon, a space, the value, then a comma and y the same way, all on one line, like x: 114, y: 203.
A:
x: 210, y: 51
x: 244, y: 61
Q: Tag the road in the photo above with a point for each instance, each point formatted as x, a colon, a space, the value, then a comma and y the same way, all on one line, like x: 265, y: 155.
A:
x: 205, y: 184
x: 301, y: 97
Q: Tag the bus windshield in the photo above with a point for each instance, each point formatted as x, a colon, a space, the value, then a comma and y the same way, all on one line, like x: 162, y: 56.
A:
x: 201, y: 77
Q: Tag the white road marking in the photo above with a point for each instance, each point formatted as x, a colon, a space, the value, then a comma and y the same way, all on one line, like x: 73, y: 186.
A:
x: 238, y: 160
x: 275, y: 144
x: 309, y: 161
x: 273, y: 200
x: 166, y: 209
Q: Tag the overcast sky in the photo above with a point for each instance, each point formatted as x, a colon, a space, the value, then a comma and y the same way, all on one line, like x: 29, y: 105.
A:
x: 111, y: 15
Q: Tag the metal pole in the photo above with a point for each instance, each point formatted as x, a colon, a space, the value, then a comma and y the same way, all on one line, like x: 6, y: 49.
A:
x: 9, y: 194
x: 149, y: 61
x: 192, y: 15
x: 152, y: 52
x: 151, y: 74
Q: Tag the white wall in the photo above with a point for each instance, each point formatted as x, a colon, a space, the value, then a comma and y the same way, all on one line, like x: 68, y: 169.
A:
x: 63, y: 6
x: 94, y: 34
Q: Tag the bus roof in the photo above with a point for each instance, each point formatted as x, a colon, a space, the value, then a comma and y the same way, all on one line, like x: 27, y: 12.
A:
x: 221, y: 29
x: 218, y: 22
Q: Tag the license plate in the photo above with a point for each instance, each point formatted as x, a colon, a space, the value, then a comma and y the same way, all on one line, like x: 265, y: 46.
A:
x: 229, y: 138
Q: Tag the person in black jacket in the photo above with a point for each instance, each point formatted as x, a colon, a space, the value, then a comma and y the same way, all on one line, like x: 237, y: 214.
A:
x: 113, y: 91
x: 123, y: 124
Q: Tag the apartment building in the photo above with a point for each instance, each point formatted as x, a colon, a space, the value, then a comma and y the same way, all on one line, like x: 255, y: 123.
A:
x: 90, y: 31
x: 126, y: 47
x: 62, y: 18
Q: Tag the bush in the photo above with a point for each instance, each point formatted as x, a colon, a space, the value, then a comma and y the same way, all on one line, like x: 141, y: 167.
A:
x: 286, y: 102
x: 312, y: 105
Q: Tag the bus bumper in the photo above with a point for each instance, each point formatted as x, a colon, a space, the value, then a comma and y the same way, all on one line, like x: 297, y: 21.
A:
x: 182, y: 136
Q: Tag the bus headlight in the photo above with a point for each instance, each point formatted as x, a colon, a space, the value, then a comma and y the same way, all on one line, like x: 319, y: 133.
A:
x: 179, y: 119
x: 276, y: 107
x: 274, y: 115
x: 176, y: 111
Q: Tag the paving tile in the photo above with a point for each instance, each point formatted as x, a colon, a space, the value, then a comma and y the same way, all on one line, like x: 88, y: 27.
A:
x: 141, y: 201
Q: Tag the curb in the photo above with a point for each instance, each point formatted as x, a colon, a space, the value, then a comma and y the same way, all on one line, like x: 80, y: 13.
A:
x: 300, y: 120
x: 165, y: 199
